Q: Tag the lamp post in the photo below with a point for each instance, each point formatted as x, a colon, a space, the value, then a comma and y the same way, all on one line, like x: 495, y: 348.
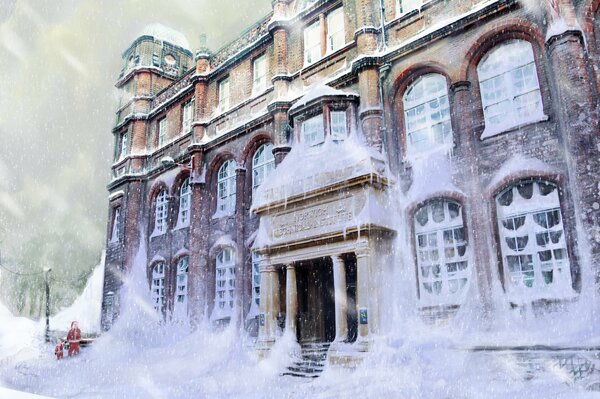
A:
x: 47, y: 271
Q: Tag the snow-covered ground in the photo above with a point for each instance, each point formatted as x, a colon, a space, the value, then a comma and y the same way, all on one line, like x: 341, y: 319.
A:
x: 141, y: 358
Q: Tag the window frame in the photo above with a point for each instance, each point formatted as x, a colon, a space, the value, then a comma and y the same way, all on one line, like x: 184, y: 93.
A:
x: 223, y: 307
x: 226, y: 188
x: 319, y: 50
x: 259, y: 87
x: 162, y: 131
x: 188, y: 114
x: 527, y: 243
x: 319, y: 135
x: 261, y: 168
x: 440, y: 96
x: 123, y: 145
x: 161, y: 212
x: 338, y: 12
x: 435, y: 241
x: 511, y: 93
x: 185, y: 203
x: 158, y: 285
x: 181, y: 285
x: 223, y: 101
x: 116, y: 224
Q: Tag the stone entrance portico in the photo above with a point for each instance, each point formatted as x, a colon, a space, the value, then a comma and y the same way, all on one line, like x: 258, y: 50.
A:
x: 308, y: 244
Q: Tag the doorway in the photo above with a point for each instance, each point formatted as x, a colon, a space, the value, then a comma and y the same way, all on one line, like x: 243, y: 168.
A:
x: 316, y: 301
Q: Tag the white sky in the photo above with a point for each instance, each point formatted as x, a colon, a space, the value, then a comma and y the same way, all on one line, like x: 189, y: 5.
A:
x: 58, y: 63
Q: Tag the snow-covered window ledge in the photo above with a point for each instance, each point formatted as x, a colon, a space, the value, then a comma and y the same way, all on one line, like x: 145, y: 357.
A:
x: 181, y: 225
x: 222, y: 214
x: 156, y: 233
x: 491, y: 131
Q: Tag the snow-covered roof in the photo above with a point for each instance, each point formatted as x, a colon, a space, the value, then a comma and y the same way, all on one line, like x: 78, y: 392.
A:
x: 317, y: 91
x: 164, y: 33
x: 306, y: 169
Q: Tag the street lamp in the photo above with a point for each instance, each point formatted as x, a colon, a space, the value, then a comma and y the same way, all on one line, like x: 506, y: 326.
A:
x: 47, y: 271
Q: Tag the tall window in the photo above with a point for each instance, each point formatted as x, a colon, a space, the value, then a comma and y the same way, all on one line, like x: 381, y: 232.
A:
x: 427, y: 114
x: 510, y: 90
x: 441, y: 253
x: 339, y: 130
x: 314, y: 34
x: 312, y: 43
x: 181, y: 291
x: 335, y: 30
x: 160, y: 212
x: 225, y: 283
x: 158, y: 286
x: 254, y: 308
x: 185, y: 196
x: 188, y: 116
x: 263, y: 162
x: 162, y: 132
x: 313, y: 131
x: 532, y: 239
x: 123, y: 145
x: 116, y: 224
x: 224, y: 95
x: 226, y: 187
x: 260, y: 74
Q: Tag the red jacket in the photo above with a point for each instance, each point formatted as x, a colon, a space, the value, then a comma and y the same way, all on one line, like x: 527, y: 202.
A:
x: 74, y: 334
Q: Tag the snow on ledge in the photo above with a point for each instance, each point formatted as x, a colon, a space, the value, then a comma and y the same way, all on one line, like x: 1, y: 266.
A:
x: 164, y: 33
x: 506, y: 127
x: 317, y: 91
x: 520, y: 163
x: 223, y: 241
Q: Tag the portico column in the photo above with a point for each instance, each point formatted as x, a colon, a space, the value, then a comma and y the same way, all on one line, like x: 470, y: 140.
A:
x: 291, y: 299
x: 363, y: 260
x: 341, y: 299
x: 269, y: 304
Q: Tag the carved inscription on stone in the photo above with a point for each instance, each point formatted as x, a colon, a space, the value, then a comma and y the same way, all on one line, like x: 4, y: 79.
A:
x: 314, y: 220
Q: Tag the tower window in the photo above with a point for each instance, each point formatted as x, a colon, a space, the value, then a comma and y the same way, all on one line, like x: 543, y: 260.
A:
x: 188, y: 116
x: 223, y: 95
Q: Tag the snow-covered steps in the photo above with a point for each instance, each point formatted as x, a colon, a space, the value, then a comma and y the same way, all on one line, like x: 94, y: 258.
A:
x: 311, y: 362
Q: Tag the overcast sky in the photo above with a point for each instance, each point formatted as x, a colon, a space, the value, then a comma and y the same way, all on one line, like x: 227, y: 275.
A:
x: 58, y: 63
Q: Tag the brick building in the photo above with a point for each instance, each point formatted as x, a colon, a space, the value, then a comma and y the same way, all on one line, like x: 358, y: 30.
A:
x: 454, y: 140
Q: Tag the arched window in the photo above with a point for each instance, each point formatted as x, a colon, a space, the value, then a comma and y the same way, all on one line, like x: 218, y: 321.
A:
x: 158, y: 286
x: 510, y: 90
x: 160, y: 212
x: 532, y: 240
x: 185, y: 196
x: 225, y: 284
x: 427, y: 114
x: 181, y: 292
x: 226, y: 188
x: 441, y: 253
x: 263, y: 162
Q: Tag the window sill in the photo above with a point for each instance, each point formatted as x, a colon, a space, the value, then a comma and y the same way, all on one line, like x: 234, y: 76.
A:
x: 498, y: 130
x: 181, y: 226
x: 222, y: 214
x: 156, y: 233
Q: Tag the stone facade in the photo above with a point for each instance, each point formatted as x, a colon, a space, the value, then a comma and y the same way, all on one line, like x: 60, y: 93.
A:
x: 554, y: 145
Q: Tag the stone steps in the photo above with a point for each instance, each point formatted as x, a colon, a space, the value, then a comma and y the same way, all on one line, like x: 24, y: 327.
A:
x: 311, y: 362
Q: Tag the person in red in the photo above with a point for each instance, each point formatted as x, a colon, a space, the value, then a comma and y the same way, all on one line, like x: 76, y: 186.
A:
x: 74, y: 336
x: 58, y: 350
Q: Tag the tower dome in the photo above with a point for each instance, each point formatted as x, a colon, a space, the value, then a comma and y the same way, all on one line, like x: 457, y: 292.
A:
x: 164, y: 33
